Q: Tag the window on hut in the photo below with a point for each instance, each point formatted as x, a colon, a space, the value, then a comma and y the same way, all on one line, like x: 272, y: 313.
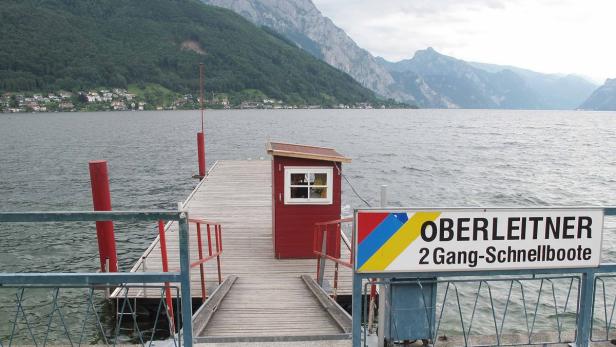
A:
x: 308, y: 185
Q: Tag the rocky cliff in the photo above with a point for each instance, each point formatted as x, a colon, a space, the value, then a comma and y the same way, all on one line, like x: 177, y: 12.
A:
x: 303, y: 23
x: 603, y: 99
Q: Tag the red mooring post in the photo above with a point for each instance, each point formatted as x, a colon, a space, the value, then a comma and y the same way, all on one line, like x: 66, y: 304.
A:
x: 101, y: 199
x: 201, y: 135
x: 201, y: 153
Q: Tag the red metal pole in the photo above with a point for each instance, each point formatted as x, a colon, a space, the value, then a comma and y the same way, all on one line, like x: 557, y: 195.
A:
x: 337, y: 243
x: 101, y: 198
x: 335, y: 280
x: 202, y: 272
x: 201, y: 153
x: 218, y: 239
x: 201, y: 135
x: 317, y: 231
x: 209, y: 240
x: 201, y: 97
x: 165, y: 261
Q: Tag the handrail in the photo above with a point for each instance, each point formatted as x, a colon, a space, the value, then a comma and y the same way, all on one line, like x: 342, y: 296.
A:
x: 336, y: 221
x: 322, y: 256
x: 201, y: 258
x: 87, y: 216
x: 344, y: 238
x: 202, y: 221
x: 180, y: 275
x: 347, y: 242
x: 323, y: 252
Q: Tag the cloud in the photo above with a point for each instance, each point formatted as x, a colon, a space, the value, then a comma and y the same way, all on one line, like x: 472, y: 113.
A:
x: 545, y: 35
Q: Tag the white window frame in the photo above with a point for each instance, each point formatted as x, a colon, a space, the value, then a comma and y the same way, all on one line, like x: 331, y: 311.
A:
x: 308, y: 170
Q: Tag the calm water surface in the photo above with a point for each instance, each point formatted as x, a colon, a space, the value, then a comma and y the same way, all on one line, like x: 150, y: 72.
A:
x: 427, y: 158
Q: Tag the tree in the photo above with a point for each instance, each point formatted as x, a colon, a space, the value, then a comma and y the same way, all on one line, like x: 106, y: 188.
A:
x: 13, y: 103
x: 82, y: 98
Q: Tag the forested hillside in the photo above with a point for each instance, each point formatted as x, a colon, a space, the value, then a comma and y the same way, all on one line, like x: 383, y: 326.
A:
x: 78, y: 44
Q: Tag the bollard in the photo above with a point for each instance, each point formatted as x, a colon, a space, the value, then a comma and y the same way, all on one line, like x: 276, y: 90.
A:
x: 201, y: 152
x: 384, y: 196
x: 101, y: 198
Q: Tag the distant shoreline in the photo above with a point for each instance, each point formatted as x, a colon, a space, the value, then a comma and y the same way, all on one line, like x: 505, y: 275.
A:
x: 298, y: 109
x: 216, y: 109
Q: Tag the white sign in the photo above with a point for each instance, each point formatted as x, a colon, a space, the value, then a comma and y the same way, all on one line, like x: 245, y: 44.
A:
x: 476, y: 239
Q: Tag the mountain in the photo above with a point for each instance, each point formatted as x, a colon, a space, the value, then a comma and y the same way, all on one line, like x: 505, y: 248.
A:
x: 603, y: 99
x: 301, y: 22
x: 555, y: 91
x: 461, y: 85
x: 456, y: 83
x: 79, y: 44
x: 429, y: 79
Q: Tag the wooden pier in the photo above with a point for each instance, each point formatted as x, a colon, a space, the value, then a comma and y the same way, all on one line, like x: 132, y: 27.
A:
x: 269, y: 300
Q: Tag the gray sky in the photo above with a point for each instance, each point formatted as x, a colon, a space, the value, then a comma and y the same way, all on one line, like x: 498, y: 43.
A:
x: 555, y: 36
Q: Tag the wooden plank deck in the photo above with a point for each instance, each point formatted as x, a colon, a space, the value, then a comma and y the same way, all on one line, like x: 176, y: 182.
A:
x: 269, y: 297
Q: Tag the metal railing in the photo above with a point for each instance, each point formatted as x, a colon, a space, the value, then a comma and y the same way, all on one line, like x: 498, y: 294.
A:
x: 504, y: 307
x: 201, y: 260
x: 92, y: 282
x: 211, y: 255
x: 603, y: 314
x: 331, y: 230
x: 468, y: 312
x: 320, y: 249
x: 542, y: 308
x: 76, y: 315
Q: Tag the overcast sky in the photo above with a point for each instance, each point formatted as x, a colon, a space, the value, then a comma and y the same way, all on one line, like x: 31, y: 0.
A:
x: 556, y: 36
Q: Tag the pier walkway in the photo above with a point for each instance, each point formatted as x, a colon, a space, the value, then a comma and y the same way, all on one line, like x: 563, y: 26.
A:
x: 269, y: 300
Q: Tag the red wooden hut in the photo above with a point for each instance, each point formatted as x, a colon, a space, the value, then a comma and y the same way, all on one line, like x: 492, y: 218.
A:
x: 306, y: 189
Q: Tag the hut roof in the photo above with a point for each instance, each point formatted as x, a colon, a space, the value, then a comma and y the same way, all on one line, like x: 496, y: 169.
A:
x: 307, y: 152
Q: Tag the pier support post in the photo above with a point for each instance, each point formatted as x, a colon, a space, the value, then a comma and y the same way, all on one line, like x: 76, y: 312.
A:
x: 356, y: 311
x: 372, y: 307
x: 187, y: 313
x: 101, y: 199
x: 582, y: 334
x: 321, y: 274
x: 201, y: 152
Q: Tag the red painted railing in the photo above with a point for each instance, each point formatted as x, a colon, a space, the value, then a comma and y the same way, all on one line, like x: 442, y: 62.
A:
x: 163, y: 252
x: 214, y: 251
x: 323, y: 251
x: 211, y: 254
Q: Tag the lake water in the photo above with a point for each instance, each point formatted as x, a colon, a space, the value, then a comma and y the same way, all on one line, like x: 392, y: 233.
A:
x: 428, y: 158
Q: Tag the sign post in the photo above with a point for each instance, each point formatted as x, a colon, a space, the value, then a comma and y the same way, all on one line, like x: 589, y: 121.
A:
x: 405, y: 244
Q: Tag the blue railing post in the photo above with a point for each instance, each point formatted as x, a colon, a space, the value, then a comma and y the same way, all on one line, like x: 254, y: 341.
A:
x: 185, y: 281
x: 582, y: 334
x: 357, y: 310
